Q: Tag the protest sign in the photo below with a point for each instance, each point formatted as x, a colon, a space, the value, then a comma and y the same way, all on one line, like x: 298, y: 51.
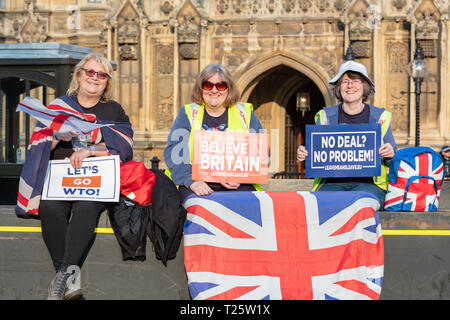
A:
x: 349, y: 150
x: 230, y: 156
x: 98, y: 179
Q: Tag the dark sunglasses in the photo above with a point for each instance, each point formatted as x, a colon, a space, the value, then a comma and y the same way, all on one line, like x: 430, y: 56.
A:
x: 220, y: 86
x: 90, y: 73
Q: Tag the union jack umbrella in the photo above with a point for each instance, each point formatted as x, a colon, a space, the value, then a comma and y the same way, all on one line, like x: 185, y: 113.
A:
x: 283, y: 245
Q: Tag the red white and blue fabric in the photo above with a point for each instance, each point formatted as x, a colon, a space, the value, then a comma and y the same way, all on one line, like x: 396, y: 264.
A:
x: 415, y: 178
x: 283, y: 245
x: 58, y: 117
x: 63, y: 113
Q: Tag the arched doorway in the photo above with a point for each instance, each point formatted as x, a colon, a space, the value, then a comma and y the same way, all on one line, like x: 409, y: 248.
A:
x: 278, y: 84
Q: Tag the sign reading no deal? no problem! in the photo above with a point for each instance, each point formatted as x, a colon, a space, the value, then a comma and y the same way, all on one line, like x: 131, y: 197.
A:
x: 349, y: 150
x: 98, y: 179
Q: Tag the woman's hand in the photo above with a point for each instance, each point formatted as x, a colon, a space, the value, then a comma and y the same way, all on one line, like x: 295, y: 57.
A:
x: 301, y: 153
x: 76, y: 159
x: 230, y: 185
x: 386, y: 150
x: 201, y: 188
x: 66, y: 136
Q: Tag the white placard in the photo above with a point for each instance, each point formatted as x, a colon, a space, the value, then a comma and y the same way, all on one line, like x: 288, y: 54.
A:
x: 98, y: 179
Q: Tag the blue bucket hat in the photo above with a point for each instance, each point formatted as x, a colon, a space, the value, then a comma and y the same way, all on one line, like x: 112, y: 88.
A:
x: 353, y: 66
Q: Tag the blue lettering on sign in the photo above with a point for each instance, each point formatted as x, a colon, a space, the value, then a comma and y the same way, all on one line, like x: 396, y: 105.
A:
x: 69, y: 190
x: 85, y: 170
x: 349, y: 150
x: 81, y: 191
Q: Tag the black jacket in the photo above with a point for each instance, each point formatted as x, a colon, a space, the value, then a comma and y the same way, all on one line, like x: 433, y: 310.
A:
x: 165, y: 227
x: 162, y: 221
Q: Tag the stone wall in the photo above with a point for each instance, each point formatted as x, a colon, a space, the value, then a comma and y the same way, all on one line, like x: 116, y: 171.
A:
x: 274, y: 48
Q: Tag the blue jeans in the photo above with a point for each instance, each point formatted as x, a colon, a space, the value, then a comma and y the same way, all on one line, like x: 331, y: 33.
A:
x: 355, y: 186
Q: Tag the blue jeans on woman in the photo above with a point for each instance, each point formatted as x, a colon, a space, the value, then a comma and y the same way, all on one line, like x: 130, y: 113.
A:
x: 356, y: 186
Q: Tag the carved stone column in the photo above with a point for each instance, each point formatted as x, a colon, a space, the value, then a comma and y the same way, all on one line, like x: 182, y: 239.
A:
x: 444, y: 102
x: 427, y: 34
x: 33, y: 26
x: 204, y: 49
x: 145, y: 112
x: 188, y: 41
x: 188, y: 36
x: 360, y: 36
x: 412, y: 100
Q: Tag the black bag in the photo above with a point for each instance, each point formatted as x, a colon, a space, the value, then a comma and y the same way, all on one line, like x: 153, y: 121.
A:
x: 129, y: 221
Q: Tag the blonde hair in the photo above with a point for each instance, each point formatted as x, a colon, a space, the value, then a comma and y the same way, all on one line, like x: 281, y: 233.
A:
x: 208, y: 72
x: 75, y: 83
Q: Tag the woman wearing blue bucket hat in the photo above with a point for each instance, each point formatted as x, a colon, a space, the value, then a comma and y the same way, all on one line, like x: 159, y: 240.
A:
x: 352, y: 86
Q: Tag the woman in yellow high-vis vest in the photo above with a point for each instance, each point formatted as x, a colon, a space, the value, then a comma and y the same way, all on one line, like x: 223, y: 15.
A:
x: 352, y: 87
x: 215, y: 106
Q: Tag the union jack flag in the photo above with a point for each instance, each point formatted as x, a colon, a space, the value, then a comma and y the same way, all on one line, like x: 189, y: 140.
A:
x: 417, y: 186
x: 283, y: 245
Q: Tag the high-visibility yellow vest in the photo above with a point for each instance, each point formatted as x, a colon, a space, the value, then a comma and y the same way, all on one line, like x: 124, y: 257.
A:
x: 385, y: 120
x: 238, y: 121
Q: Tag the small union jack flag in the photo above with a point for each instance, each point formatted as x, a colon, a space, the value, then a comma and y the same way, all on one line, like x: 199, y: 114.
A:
x: 58, y: 116
x: 417, y: 186
x: 283, y: 245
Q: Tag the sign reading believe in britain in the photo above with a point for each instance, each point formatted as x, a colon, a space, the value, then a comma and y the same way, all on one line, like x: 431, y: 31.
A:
x: 349, y: 150
x: 230, y: 156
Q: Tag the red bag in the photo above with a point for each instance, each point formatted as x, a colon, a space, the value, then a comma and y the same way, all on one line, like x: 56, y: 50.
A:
x: 136, y: 182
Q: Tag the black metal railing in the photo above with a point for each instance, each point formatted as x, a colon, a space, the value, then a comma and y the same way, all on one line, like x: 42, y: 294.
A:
x: 155, y: 163
x: 287, y: 175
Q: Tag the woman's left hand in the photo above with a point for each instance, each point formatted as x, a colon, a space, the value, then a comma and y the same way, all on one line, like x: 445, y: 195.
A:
x: 230, y: 185
x: 386, y: 150
x: 76, y: 159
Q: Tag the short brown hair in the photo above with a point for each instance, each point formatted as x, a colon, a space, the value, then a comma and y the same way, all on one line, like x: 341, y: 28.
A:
x: 75, y: 83
x: 367, y: 89
x: 208, y: 72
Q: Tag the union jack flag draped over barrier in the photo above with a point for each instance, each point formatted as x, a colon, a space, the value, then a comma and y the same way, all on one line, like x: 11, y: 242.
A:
x: 62, y: 115
x: 283, y: 245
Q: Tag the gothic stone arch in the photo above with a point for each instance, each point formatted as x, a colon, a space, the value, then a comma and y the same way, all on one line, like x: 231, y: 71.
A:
x: 246, y: 73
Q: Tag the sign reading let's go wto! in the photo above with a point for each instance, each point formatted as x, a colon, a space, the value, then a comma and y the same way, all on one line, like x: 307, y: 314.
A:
x: 349, y: 150
x: 98, y: 179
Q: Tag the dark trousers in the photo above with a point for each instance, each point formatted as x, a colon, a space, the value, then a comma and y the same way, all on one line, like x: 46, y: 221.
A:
x: 68, y: 229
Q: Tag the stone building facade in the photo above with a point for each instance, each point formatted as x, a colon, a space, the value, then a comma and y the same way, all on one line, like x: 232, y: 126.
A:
x: 279, y: 52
